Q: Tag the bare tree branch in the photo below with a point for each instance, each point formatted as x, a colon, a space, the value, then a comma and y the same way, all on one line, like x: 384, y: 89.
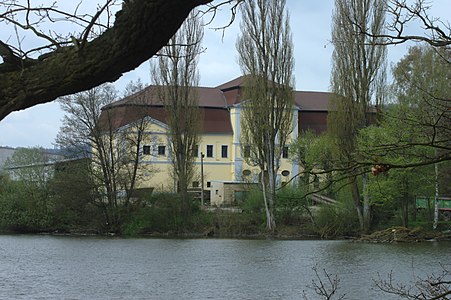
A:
x: 214, y: 8
x: 436, y: 32
x: 88, y: 28
x: 140, y: 29
x: 432, y: 287
x: 325, y: 285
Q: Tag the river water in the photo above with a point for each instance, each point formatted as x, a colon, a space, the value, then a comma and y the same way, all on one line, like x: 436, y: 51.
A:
x: 52, y: 267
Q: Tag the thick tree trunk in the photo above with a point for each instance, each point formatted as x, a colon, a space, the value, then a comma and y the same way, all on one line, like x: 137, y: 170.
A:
x: 269, y: 187
x: 185, y: 197
x: 270, y: 198
x: 270, y: 221
x: 141, y: 28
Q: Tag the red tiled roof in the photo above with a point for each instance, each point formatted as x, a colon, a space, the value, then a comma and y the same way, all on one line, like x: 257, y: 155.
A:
x: 119, y: 116
x: 215, y: 120
x: 313, y: 120
x: 224, y: 95
x: 207, y: 97
x: 212, y: 101
x: 234, y: 83
x: 232, y: 96
x: 312, y: 101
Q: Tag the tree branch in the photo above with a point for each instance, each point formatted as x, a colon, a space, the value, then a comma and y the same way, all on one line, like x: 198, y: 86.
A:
x: 8, y: 55
x: 402, y: 14
x: 141, y: 28
x: 92, y: 23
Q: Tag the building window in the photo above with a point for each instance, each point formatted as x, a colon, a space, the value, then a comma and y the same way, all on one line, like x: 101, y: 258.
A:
x: 196, y: 151
x: 162, y: 150
x: 247, y: 151
x: 146, y: 150
x: 195, y: 184
x: 208, y: 184
x: 316, y: 182
x: 285, y: 173
x: 224, y: 151
x: 209, y: 150
x: 285, y: 152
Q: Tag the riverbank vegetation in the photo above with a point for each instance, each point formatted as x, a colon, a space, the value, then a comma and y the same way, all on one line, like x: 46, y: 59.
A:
x: 386, y: 145
x: 67, y: 205
x: 67, y: 200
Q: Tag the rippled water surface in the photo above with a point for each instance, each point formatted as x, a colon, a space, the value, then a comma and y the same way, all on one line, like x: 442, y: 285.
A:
x: 49, y: 267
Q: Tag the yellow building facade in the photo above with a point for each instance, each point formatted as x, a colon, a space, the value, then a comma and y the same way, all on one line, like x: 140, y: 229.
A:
x: 223, y: 155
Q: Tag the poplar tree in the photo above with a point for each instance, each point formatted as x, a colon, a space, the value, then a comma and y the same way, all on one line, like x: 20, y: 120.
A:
x: 266, y: 56
x: 358, y: 78
x: 175, y: 75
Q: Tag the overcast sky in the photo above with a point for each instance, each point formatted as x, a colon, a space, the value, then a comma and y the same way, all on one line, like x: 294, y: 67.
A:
x: 310, y: 25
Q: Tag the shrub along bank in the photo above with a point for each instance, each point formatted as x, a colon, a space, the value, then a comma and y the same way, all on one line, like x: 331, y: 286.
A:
x: 30, y: 210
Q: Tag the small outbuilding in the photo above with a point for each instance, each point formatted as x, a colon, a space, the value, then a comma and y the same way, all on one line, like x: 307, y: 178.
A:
x: 229, y: 193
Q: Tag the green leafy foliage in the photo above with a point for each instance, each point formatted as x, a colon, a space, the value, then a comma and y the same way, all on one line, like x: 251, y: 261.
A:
x: 23, y: 209
x: 412, y: 136
x: 74, y: 195
x: 292, y: 206
x: 253, y: 207
x: 314, y: 153
x: 337, y: 220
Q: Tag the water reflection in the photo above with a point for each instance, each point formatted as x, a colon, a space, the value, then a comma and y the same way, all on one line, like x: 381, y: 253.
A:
x: 45, y: 267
